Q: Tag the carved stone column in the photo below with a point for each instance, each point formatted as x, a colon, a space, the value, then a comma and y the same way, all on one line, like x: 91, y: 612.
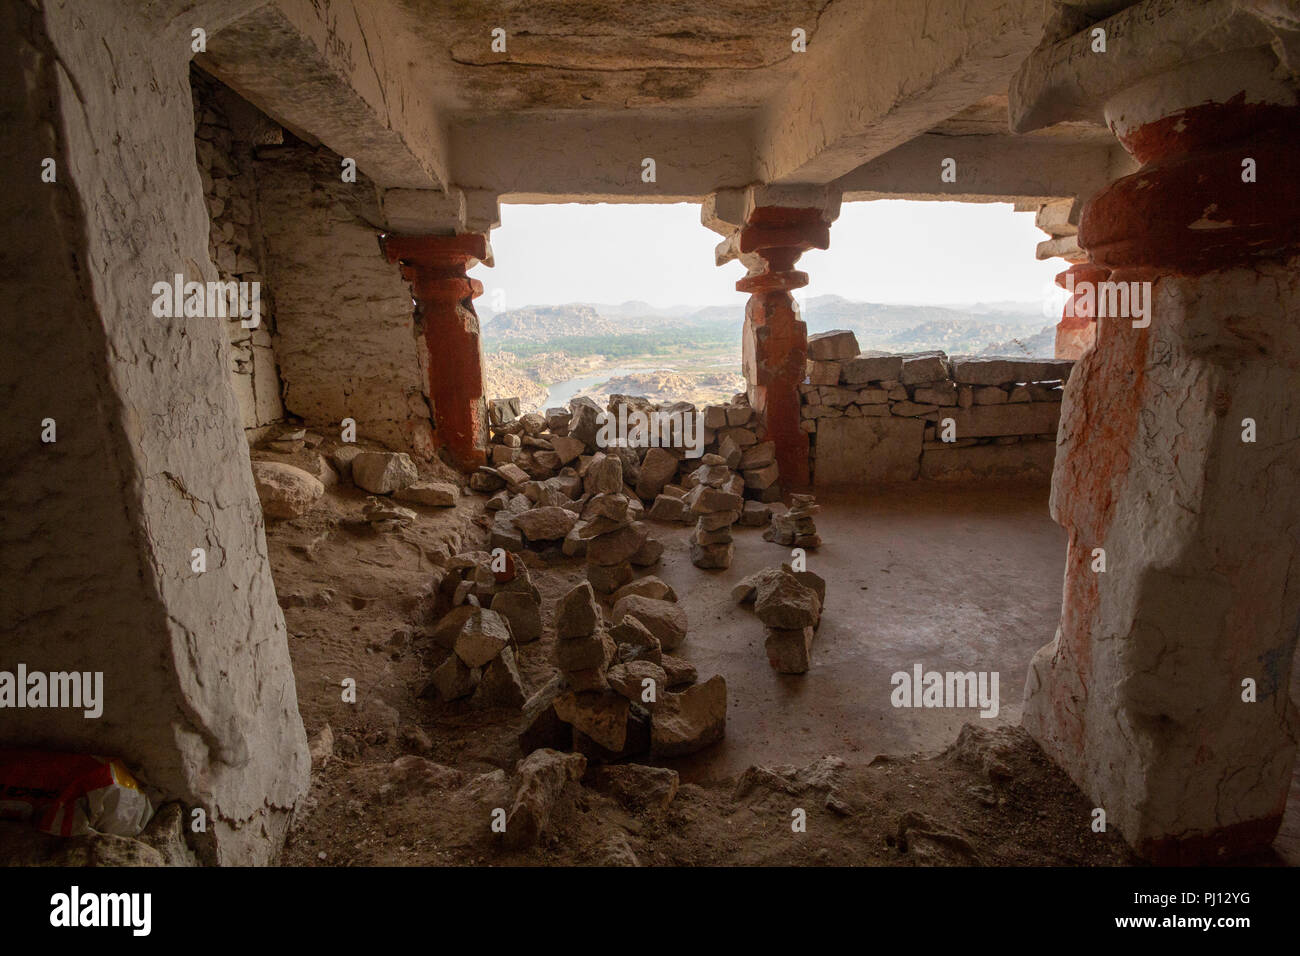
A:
x: 444, y: 309
x: 1165, y: 692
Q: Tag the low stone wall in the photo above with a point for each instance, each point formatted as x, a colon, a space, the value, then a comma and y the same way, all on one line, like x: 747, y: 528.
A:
x: 876, y: 417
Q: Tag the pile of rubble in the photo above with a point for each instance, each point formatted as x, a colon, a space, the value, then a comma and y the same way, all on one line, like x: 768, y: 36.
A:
x: 293, y: 468
x: 790, y: 604
x: 494, y: 607
x: 619, y: 694
x: 795, y: 526
x: 553, y: 483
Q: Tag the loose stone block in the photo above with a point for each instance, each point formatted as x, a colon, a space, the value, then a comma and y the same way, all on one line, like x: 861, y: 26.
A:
x: 837, y: 344
x: 789, y: 651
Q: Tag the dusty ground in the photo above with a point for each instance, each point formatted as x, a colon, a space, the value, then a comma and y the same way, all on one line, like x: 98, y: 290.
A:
x: 357, y: 605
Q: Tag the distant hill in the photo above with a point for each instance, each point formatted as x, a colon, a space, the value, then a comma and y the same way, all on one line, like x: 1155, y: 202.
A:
x: 1039, y: 345
x: 628, y: 327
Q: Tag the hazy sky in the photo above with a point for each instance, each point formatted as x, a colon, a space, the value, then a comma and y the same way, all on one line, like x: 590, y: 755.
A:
x: 924, y: 253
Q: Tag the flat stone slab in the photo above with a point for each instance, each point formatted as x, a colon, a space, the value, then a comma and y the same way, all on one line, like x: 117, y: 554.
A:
x: 1003, y: 371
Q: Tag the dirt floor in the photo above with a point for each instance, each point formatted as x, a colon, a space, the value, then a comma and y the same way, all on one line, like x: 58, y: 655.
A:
x: 944, y: 576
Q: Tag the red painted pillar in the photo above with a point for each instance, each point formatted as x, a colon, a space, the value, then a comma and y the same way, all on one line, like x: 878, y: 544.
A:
x: 1077, y: 329
x: 444, y: 309
x: 775, y: 338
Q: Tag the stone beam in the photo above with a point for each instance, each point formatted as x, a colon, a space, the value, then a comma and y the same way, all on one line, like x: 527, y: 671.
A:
x: 692, y: 156
x: 1068, y: 80
x: 429, y: 212
x: 994, y: 168
x: 336, y: 75
x: 880, y: 73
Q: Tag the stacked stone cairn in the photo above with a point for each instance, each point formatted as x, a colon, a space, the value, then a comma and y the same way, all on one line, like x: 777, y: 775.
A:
x: 552, y: 484
x: 618, y: 694
x: 491, y: 613
x: 795, y: 527
x: 789, y: 603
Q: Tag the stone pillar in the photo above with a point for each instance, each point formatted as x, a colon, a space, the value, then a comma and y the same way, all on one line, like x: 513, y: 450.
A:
x: 775, y: 339
x: 444, y: 309
x: 1077, y: 329
x: 768, y: 228
x: 1165, y: 692
x: 149, y: 460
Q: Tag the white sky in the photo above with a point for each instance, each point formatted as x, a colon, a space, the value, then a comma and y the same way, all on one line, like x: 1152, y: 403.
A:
x: 920, y: 253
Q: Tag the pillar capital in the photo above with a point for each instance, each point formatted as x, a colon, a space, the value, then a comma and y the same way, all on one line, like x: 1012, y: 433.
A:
x: 1196, y: 93
x: 430, y: 212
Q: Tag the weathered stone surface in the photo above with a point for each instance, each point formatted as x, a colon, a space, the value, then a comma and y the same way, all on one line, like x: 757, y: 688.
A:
x: 383, y: 472
x: 746, y: 590
x: 567, y: 449
x: 678, y: 670
x: 585, y: 653
x: 837, y: 344
x: 872, y: 367
x: 756, y: 514
x: 984, y: 421
x: 824, y: 373
x: 604, y: 475
x: 285, y: 491
x: 541, y: 725
x: 780, y: 601
x: 445, y: 632
x: 576, y: 613
x: 702, y: 500
x: 664, y: 619
x: 543, y: 775
x: 759, y: 455
x: 608, y: 578
x: 453, y: 679
x: 712, y: 557
x: 432, y: 494
x: 1003, y: 371
x: 648, y: 586
x: 635, y: 642
x: 649, y: 554
x: 482, y: 637
x: 635, y: 786
x: 601, y: 716
x: 687, y: 722
x: 922, y: 367
x: 545, y: 524
x: 657, y: 469
x: 616, y: 547
x: 789, y: 651
x: 1024, y: 459
x: 667, y: 508
x: 854, y: 451
x: 500, y: 684
x: 523, y: 613
x: 630, y: 680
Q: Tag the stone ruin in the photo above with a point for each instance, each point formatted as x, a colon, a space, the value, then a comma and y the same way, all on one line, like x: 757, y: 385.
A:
x: 878, y: 416
x: 619, y: 694
x: 553, y: 481
x: 1139, y: 164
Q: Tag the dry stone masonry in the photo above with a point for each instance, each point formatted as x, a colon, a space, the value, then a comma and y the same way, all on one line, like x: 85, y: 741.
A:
x: 877, y: 417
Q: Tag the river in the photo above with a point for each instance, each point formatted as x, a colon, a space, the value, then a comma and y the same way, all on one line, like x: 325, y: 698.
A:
x: 559, y: 394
